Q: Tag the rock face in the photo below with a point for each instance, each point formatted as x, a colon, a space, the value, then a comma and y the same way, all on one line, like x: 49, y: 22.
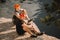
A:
x: 8, y: 30
x: 3, y: 1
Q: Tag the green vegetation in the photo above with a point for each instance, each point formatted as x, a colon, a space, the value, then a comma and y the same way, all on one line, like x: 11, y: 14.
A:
x: 53, y: 12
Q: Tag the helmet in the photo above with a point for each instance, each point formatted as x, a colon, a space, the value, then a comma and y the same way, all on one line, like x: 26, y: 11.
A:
x: 16, y: 6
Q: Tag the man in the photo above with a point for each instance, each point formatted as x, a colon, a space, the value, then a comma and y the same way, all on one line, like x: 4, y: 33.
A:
x: 21, y: 21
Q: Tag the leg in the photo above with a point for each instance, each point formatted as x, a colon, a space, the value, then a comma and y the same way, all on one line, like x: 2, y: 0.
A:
x: 36, y: 29
x: 25, y: 28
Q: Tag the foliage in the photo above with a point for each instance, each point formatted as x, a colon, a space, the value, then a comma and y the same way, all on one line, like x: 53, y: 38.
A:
x: 52, y: 10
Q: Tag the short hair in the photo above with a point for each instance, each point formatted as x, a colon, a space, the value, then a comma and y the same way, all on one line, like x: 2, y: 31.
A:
x: 16, y: 6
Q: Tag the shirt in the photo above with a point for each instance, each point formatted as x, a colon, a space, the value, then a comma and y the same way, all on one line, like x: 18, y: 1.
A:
x: 21, y: 13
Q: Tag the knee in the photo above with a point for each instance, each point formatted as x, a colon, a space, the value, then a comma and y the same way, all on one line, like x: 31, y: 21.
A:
x: 23, y: 25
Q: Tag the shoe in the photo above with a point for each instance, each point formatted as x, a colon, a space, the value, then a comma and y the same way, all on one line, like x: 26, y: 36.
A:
x: 33, y: 36
x: 39, y: 34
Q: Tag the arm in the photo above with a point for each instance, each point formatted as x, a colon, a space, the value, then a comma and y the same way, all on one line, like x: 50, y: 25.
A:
x: 17, y: 15
x: 26, y: 14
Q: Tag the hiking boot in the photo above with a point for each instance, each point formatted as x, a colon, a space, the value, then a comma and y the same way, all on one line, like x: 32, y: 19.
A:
x: 39, y: 34
x: 33, y: 35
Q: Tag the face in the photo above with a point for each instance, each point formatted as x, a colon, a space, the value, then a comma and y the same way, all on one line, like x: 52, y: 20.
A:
x: 19, y: 8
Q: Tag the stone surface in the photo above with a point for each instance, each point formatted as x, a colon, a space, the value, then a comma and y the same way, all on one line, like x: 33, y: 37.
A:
x: 7, y: 29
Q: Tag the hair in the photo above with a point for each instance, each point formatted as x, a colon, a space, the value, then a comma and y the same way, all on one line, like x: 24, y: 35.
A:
x: 16, y: 6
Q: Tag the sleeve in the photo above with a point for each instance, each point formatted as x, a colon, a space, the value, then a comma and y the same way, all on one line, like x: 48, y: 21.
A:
x: 16, y: 13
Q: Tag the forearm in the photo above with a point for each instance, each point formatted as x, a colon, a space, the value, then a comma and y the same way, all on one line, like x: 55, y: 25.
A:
x: 26, y: 15
x: 27, y: 18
